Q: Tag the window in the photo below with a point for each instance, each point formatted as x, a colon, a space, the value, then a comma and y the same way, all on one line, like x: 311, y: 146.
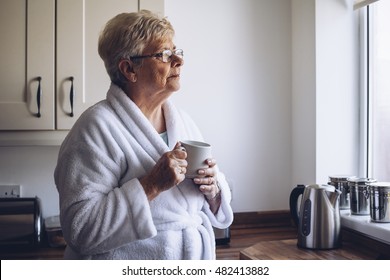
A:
x: 377, y: 90
x: 375, y: 107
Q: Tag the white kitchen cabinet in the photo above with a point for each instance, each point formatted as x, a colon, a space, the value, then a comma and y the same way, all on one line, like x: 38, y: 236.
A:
x: 78, y: 26
x: 47, y: 47
x: 27, y: 53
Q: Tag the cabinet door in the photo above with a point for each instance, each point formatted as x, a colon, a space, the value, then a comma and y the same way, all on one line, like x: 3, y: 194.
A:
x: 78, y: 27
x: 27, y: 64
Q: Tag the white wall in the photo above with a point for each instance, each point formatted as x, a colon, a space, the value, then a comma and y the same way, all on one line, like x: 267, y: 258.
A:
x: 303, y: 92
x: 32, y: 168
x: 325, y: 90
x: 236, y: 84
x: 256, y: 79
x: 337, y: 92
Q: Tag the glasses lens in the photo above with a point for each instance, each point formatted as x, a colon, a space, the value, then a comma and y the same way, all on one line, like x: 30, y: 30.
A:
x: 166, y: 55
x: 179, y: 53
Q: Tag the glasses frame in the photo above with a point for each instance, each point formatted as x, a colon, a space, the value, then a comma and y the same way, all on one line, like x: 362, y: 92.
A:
x: 167, y: 58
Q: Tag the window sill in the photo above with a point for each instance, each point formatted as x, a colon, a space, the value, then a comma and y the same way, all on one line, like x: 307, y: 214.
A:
x: 363, y: 224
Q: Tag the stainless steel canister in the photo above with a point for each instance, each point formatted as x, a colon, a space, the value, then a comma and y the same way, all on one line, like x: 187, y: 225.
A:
x: 380, y: 202
x: 360, y: 195
x: 341, y: 183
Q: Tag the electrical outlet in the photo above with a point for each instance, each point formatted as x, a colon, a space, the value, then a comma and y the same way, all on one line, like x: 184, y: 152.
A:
x: 10, y: 191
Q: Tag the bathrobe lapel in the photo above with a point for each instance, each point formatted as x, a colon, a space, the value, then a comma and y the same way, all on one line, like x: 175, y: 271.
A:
x: 137, y: 124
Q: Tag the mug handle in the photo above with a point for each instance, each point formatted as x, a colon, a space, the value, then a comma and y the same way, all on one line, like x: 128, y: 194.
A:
x: 295, y: 193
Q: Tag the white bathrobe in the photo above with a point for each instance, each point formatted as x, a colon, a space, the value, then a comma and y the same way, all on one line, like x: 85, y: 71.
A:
x: 104, y: 211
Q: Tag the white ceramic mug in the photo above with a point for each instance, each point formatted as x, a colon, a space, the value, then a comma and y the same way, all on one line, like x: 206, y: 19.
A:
x: 197, y: 153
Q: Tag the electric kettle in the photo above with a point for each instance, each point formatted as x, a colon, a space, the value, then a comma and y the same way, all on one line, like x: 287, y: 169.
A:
x: 318, y: 219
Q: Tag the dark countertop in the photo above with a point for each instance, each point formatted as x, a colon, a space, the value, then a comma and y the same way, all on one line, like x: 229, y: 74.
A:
x: 32, y: 253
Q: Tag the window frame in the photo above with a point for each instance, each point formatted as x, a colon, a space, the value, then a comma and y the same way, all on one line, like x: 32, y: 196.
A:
x: 368, y: 85
x: 366, y: 37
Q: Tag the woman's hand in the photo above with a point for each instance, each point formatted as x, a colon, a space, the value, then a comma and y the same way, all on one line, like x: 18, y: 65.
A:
x: 169, y: 171
x: 208, y: 184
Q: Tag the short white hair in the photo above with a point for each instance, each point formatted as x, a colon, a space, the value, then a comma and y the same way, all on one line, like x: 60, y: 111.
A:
x: 127, y: 35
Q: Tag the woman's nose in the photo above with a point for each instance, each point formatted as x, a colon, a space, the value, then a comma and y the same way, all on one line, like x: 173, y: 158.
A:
x: 177, y: 61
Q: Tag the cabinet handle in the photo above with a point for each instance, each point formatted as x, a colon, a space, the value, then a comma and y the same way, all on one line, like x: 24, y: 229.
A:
x: 39, y: 94
x: 71, y: 96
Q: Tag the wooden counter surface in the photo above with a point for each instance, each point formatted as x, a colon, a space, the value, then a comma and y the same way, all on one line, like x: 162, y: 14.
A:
x: 40, y: 253
x: 288, y: 250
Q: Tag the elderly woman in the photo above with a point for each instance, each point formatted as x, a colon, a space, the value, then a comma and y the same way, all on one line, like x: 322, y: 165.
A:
x: 121, y: 169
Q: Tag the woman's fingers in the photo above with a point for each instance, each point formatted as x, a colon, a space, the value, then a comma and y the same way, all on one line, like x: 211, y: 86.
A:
x: 204, y: 180
x: 210, y: 191
x: 179, y: 152
x: 211, y: 162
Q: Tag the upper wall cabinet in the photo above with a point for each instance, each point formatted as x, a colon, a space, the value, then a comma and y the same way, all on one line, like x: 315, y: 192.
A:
x: 81, y: 78
x: 27, y: 53
x: 50, y: 68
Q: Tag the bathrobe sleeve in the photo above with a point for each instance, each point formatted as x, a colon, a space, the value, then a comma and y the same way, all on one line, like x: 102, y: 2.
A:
x: 224, y: 216
x: 97, y: 213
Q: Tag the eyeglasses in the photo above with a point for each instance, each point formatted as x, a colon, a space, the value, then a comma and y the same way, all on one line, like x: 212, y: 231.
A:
x: 164, y: 56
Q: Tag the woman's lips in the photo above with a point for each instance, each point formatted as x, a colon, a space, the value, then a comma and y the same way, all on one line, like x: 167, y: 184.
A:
x: 174, y: 76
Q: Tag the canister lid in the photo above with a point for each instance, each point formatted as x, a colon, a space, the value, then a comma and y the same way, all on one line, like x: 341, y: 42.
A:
x: 361, y: 181
x: 340, y: 178
x: 380, y: 185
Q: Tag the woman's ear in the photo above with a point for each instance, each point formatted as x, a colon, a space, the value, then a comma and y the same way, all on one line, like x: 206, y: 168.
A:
x: 127, y: 70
